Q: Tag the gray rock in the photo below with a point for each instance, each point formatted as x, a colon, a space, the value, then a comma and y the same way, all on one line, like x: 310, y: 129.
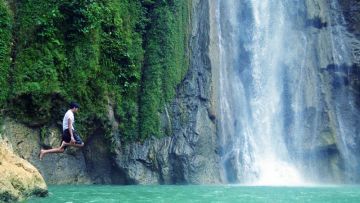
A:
x: 64, y: 168
x: 333, y: 148
x: 188, y: 155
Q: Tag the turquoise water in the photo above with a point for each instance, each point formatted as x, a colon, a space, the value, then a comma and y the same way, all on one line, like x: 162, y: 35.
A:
x: 199, y: 193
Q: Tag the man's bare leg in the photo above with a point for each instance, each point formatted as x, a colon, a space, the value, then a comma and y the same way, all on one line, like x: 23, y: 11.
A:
x: 60, y: 149
x: 64, y: 144
x: 43, y: 152
x: 75, y: 145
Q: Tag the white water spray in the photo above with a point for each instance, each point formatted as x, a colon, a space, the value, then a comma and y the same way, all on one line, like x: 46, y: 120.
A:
x: 269, y: 104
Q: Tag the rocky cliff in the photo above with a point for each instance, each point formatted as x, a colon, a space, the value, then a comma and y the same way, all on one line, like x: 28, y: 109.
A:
x: 333, y: 35
x: 19, y: 179
x: 189, y: 155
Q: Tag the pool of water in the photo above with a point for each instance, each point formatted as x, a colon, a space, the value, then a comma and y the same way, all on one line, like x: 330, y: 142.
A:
x: 199, y: 193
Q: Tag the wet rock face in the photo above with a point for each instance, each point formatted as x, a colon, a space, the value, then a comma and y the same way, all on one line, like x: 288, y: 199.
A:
x: 188, y: 155
x: 345, y: 84
x: 19, y: 180
x: 98, y: 161
x: 351, y: 13
x: 334, y: 28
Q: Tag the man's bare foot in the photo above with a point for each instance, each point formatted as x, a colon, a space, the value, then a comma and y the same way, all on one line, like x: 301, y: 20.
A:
x: 41, y: 154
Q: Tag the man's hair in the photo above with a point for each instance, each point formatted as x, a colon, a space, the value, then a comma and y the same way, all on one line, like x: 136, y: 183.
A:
x: 74, y: 105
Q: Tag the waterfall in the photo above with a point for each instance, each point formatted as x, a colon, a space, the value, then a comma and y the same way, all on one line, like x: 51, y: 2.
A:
x: 276, y: 122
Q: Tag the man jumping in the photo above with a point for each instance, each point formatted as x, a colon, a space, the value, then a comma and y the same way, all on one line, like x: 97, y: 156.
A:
x: 69, y: 135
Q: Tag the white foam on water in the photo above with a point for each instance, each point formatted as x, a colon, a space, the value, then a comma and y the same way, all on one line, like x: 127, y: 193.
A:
x: 278, y: 173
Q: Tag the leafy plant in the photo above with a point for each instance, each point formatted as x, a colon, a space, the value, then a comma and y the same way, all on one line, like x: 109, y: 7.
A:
x: 5, y: 48
x: 122, y: 55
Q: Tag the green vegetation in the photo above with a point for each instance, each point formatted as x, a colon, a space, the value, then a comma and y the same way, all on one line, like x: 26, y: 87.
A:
x: 166, y: 62
x: 126, y: 54
x: 5, y: 44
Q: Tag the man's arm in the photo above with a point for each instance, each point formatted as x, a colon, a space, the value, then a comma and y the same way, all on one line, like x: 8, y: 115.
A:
x: 71, y: 131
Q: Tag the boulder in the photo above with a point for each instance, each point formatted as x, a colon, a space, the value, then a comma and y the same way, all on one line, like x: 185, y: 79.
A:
x: 19, y: 179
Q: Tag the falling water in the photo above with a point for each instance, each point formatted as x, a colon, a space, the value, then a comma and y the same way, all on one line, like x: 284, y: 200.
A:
x: 271, y: 94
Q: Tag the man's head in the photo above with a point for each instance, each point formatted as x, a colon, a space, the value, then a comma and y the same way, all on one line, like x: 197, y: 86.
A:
x: 74, y: 106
